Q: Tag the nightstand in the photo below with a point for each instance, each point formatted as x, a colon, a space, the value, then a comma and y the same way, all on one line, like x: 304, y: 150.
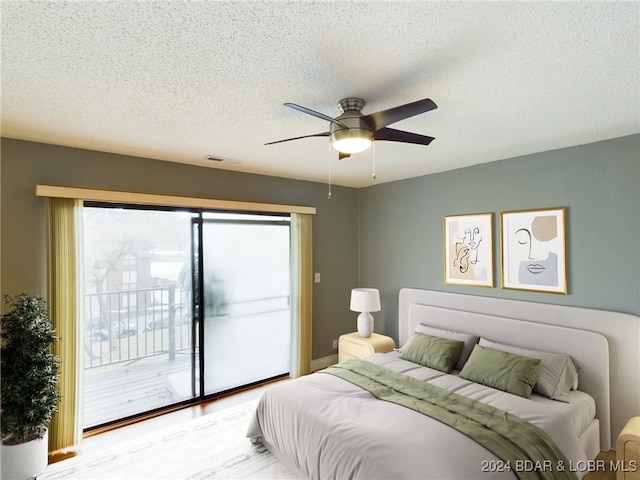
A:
x: 628, y: 451
x: 352, y: 345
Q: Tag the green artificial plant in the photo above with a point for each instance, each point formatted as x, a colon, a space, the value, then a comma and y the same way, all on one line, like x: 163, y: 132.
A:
x: 28, y: 380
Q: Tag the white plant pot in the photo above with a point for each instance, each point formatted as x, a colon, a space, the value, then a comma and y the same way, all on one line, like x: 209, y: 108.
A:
x: 26, y: 460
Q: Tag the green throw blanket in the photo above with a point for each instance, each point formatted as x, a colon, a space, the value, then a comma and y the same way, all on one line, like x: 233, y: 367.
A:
x: 523, y: 447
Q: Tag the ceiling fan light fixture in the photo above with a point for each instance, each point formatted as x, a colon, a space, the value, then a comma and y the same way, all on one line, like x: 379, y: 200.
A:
x: 353, y: 132
x: 354, y: 140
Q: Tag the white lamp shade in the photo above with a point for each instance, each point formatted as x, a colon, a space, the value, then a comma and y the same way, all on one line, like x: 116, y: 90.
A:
x: 365, y: 300
x: 352, y: 145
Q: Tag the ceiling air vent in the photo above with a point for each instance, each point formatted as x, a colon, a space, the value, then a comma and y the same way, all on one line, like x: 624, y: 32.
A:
x: 212, y: 158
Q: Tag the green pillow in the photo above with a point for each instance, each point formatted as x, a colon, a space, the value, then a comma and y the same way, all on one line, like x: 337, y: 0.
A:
x: 433, y: 352
x: 502, y: 370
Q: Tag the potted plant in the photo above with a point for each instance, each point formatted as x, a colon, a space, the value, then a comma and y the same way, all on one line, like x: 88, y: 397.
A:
x: 29, y: 394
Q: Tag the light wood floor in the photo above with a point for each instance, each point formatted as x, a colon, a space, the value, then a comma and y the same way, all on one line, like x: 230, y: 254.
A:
x: 103, y: 439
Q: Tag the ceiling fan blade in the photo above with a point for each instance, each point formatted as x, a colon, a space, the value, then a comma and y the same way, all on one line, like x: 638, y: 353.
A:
x: 342, y: 155
x: 313, y: 113
x: 323, y: 134
x: 393, y: 135
x: 383, y: 118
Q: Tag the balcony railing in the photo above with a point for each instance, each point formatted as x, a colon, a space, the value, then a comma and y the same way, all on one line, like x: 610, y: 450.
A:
x: 127, y: 325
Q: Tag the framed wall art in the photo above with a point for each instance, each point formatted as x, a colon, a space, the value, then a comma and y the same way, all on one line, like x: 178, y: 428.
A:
x: 468, y: 250
x: 534, y: 250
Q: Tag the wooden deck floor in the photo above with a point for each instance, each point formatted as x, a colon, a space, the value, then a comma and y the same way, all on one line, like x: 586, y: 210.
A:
x: 125, y: 389
x: 129, y: 388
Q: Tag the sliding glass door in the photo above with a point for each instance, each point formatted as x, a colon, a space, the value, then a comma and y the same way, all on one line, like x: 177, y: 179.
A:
x: 138, y: 340
x: 247, y: 302
x: 151, y: 338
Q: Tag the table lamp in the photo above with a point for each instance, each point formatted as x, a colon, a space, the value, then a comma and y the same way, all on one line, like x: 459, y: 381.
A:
x: 365, y: 300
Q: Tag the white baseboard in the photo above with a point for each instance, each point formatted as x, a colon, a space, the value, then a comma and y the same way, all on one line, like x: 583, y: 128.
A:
x: 324, y: 362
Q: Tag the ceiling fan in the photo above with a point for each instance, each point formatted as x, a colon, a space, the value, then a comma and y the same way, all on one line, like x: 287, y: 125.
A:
x: 353, y: 132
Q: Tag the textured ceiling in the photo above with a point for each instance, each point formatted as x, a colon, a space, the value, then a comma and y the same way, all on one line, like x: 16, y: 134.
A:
x: 179, y: 80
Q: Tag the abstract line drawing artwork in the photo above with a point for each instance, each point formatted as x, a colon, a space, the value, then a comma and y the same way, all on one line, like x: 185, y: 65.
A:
x: 468, y: 250
x: 534, y: 250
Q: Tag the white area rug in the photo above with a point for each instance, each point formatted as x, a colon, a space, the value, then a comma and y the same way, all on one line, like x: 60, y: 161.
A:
x: 212, y: 446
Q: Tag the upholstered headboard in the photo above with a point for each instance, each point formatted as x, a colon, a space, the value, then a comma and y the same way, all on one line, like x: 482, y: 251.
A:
x: 544, y: 327
x: 589, y: 350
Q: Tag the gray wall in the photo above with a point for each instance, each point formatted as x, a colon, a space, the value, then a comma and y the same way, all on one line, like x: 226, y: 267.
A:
x: 401, y: 238
x: 26, y: 164
x: 387, y: 236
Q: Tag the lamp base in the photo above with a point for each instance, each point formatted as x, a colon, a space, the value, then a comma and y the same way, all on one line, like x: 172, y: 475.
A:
x: 365, y: 324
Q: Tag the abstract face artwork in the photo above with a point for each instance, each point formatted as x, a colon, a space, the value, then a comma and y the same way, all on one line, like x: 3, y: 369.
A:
x: 533, y: 250
x: 468, y: 250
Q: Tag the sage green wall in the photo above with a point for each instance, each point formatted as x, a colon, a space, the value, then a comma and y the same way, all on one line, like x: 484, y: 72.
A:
x: 387, y: 236
x: 401, y: 239
x: 26, y: 164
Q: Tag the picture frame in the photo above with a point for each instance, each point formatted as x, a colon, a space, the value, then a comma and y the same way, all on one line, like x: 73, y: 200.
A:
x: 534, y: 250
x: 468, y: 250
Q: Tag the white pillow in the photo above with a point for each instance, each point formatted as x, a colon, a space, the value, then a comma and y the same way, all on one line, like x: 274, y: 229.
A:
x: 557, y: 375
x: 468, y: 339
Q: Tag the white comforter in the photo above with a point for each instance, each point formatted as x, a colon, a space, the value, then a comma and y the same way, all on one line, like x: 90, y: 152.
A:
x: 328, y: 428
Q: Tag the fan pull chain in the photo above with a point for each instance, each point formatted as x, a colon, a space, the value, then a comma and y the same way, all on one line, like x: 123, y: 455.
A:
x: 330, y: 151
x: 373, y: 155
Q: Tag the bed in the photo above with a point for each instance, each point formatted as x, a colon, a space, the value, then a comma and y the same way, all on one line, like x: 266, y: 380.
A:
x: 331, y: 425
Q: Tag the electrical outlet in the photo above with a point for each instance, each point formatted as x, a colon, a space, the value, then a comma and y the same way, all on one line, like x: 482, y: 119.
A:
x: 335, y: 344
x: 317, y: 278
